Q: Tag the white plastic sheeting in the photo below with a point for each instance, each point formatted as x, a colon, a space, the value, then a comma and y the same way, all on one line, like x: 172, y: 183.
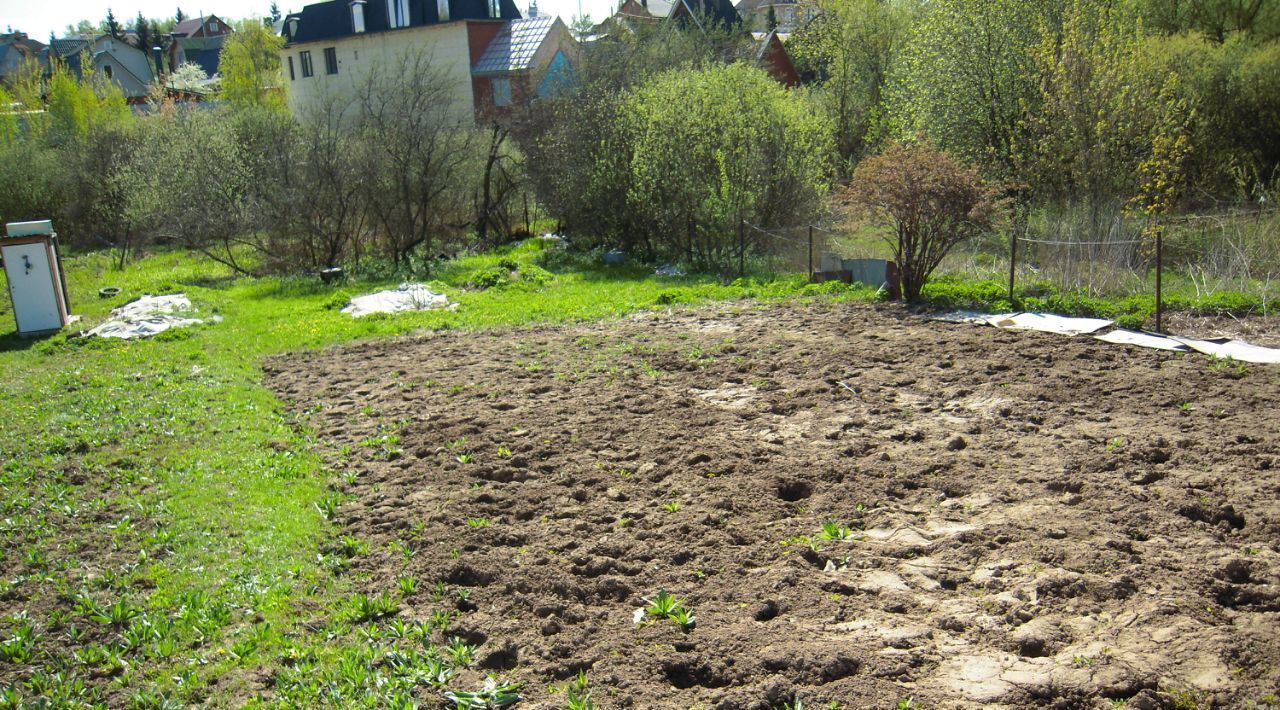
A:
x: 408, y: 297
x: 1234, y: 349
x: 1043, y: 322
x: 1049, y: 323
x: 146, y: 317
x: 1143, y: 340
x: 971, y: 317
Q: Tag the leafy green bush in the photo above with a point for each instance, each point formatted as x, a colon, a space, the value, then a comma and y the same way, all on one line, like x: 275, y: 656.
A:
x: 713, y: 147
x: 950, y: 291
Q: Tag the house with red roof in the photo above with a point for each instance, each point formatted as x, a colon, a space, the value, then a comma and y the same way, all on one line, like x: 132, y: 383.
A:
x: 198, y: 40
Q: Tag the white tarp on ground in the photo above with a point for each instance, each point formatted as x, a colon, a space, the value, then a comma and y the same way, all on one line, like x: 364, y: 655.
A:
x: 973, y: 317
x: 1044, y: 322
x: 147, y: 316
x: 1049, y: 323
x: 408, y: 297
x: 1235, y: 349
x: 1142, y: 340
x: 1220, y: 347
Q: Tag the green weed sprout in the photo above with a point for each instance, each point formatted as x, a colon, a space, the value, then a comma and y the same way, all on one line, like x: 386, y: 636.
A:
x: 491, y: 695
x: 832, y: 530
x: 665, y: 606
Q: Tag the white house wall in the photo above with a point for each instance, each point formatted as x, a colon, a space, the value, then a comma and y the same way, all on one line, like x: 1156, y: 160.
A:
x: 446, y: 43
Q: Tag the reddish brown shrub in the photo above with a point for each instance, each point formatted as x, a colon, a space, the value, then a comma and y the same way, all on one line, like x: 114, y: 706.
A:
x: 931, y: 202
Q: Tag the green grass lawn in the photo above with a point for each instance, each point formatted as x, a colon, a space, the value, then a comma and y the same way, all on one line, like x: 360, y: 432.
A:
x: 163, y: 536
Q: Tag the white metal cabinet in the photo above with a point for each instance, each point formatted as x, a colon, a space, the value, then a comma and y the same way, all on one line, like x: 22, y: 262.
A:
x: 35, y: 281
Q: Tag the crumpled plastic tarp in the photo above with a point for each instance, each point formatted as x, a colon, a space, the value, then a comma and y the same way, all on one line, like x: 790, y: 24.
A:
x: 147, y: 316
x: 407, y: 297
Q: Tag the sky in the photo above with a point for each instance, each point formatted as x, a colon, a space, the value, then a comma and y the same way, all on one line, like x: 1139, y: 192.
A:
x: 39, y: 17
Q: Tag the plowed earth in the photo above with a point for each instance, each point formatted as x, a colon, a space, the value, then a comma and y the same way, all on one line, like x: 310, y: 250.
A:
x: 1039, y: 521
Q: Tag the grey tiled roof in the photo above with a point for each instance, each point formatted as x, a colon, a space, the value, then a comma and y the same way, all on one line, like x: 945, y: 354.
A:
x: 69, y: 46
x: 515, y: 45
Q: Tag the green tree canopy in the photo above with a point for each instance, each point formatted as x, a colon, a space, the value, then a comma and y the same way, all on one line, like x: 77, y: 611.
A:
x: 966, y: 78
x: 712, y: 147
x: 250, y: 67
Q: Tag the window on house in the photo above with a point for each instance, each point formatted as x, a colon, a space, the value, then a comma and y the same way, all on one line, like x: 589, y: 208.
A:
x: 442, y: 10
x: 291, y: 76
x: 357, y: 17
x: 397, y: 13
x: 330, y: 60
x: 501, y: 92
x: 494, y: 10
x: 108, y: 70
x: 305, y: 59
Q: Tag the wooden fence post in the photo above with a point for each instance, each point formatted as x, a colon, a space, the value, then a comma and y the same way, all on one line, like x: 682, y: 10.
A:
x: 742, y: 247
x: 811, y: 253
x: 1013, y: 264
x: 1159, y: 279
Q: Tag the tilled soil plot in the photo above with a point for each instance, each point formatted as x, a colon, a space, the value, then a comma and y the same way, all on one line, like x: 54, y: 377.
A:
x: 1035, y: 520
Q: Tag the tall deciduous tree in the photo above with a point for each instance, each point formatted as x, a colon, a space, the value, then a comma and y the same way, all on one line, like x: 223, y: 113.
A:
x: 1093, y: 116
x: 966, y: 78
x: 849, y: 50
x: 419, y: 149
x: 250, y: 67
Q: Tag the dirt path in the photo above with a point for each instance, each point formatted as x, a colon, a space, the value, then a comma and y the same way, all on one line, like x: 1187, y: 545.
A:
x: 1038, y: 521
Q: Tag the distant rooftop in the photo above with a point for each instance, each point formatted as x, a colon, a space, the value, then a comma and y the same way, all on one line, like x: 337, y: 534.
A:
x: 515, y: 45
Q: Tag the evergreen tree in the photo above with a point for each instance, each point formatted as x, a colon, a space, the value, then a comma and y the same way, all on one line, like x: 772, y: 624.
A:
x: 143, y: 32
x: 157, y: 40
x: 771, y: 20
x: 179, y: 16
x: 113, y: 25
x: 274, y: 13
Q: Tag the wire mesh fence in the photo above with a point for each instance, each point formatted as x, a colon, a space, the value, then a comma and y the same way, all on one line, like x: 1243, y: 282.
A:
x: 1232, y: 258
